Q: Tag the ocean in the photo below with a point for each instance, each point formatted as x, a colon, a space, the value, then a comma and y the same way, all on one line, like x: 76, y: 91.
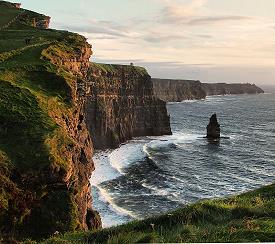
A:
x: 152, y: 175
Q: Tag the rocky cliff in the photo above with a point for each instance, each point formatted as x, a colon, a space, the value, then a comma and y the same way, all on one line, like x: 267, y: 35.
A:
x: 45, y: 147
x: 121, y: 105
x: 230, y: 89
x: 178, y: 90
x: 54, y: 103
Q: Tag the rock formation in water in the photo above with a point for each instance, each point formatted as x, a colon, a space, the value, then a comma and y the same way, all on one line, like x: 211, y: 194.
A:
x: 178, y: 90
x: 213, y: 128
x: 121, y: 105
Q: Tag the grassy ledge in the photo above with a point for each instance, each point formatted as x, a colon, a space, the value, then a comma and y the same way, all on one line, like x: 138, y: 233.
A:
x: 249, y: 217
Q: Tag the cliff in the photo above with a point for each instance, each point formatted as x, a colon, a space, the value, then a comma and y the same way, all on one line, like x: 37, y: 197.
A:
x: 54, y: 104
x: 230, y: 89
x: 121, y: 105
x: 179, y: 90
x: 45, y: 147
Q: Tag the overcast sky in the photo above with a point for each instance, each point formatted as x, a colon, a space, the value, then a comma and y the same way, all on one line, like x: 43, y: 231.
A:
x: 208, y: 40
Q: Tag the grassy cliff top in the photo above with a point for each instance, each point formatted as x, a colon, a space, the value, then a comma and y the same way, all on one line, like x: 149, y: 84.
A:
x: 35, y: 95
x: 249, y: 217
x: 118, y: 68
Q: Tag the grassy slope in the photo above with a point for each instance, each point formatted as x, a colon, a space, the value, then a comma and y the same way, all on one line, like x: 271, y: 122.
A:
x: 249, y: 217
x: 33, y: 93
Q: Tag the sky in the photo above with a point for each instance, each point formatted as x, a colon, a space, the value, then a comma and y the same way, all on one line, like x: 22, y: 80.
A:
x: 208, y: 40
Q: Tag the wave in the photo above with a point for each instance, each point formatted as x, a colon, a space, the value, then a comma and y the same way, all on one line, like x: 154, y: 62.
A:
x: 127, y: 155
x: 103, y: 169
x: 110, y: 213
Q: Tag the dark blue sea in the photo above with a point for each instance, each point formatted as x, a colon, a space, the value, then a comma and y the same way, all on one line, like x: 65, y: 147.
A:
x: 153, y: 175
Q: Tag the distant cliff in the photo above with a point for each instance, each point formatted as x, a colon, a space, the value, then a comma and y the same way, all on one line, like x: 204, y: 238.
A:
x: 227, y: 89
x: 178, y: 90
x: 121, y: 105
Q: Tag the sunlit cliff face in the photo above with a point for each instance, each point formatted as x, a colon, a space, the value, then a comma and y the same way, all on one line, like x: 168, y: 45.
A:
x: 210, y: 40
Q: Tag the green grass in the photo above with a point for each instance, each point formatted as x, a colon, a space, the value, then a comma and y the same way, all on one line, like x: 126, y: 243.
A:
x: 7, y: 13
x: 36, y: 98
x: 116, y: 68
x: 249, y: 217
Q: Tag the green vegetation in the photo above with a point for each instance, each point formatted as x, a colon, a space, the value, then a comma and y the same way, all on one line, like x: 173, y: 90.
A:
x: 249, y: 217
x: 7, y: 13
x: 36, y: 94
x: 116, y: 68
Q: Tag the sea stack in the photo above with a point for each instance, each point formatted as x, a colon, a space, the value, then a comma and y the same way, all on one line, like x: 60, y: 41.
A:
x: 213, y: 128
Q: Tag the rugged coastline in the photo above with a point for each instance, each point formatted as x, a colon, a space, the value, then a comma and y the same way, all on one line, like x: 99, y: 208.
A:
x: 56, y: 106
x: 178, y: 90
x: 50, y: 93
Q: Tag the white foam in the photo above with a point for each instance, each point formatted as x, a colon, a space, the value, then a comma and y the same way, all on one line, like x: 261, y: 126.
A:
x: 108, y: 199
x: 127, y: 155
x: 103, y: 169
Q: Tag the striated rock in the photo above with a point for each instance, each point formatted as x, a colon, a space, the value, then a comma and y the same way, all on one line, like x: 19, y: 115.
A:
x: 121, y: 105
x: 213, y: 128
x: 178, y: 90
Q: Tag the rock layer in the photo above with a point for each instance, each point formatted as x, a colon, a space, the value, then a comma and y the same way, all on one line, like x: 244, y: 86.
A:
x: 121, y: 105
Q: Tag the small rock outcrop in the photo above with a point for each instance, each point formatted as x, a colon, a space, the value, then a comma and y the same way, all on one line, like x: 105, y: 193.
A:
x: 213, y: 128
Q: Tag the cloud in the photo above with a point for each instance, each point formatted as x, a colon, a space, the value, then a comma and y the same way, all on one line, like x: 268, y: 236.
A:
x: 107, y: 29
x: 176, y: 11
x: 216, y: 19
x: 159, y: 37
x: 192, y: 14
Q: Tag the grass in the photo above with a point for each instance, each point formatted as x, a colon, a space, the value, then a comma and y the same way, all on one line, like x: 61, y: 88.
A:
x: 117, y: 68
x: 7, y: 13
x: 36, y: 97
x: 249, y: 217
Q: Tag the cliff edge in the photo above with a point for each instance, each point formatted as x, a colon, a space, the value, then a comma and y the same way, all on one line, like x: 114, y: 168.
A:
x: 121, y: 105
x: 45, y: 147
x: 55, y: 107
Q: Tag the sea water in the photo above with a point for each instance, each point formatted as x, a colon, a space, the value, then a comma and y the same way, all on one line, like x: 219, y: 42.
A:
x: 152, y: 175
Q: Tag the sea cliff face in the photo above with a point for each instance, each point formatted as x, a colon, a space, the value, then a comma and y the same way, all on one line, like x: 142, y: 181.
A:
x: 179, y: 90
x: 121, y: 105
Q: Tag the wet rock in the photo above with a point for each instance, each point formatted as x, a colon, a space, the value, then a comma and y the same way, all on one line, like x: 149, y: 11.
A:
x: 213, y: 128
